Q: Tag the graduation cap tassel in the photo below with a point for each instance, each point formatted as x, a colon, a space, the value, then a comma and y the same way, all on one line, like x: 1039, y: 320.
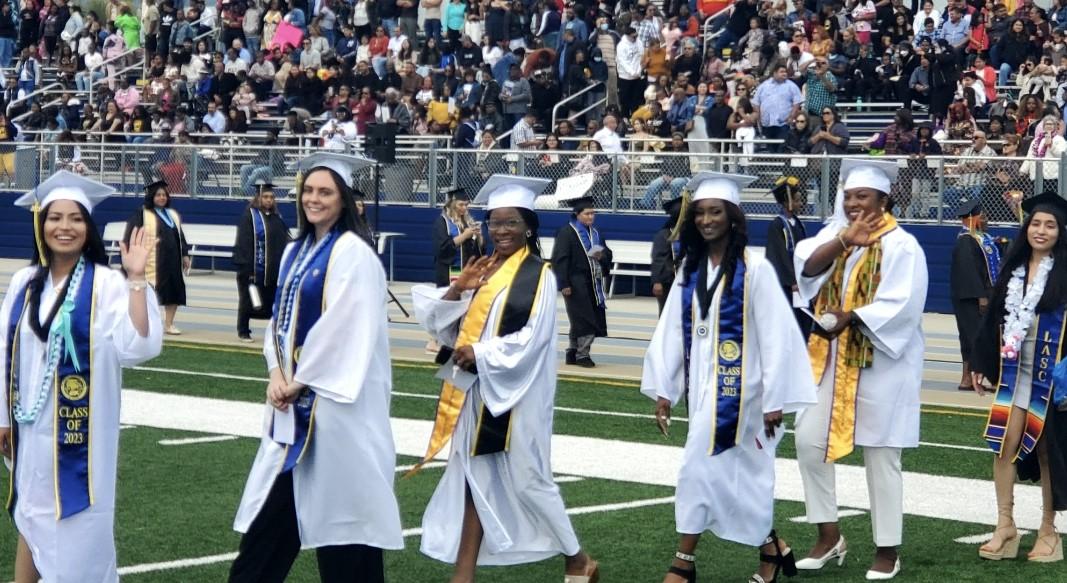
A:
x: 38, y: 237
x: 299, y: 188
x: 676, y: 233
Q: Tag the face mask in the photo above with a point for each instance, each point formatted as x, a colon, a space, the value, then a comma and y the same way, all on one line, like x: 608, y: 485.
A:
x: 604, y: 26
x: 597, y: 59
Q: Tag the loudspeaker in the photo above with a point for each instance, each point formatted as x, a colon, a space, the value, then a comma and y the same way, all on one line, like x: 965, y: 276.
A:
x: 381, y: 142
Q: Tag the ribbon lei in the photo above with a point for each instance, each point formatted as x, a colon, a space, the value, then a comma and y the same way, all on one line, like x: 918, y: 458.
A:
x: 64, y: 328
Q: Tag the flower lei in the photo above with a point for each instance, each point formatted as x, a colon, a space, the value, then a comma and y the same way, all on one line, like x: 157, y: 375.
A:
x: 1019, y: 307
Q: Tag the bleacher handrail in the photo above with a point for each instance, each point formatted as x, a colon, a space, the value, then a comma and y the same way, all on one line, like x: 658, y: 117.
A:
x: 572, y: 97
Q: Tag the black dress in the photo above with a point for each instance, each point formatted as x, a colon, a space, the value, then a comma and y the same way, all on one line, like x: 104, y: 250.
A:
x: 445, y: 251
x: 571, y: 266
x: 969, y: 281
x: 244, y: 259
x: 780, y: 250
x: 171, y: 247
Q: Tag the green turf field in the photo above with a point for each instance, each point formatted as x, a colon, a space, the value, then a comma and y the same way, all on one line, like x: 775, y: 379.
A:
x: 177, y: 502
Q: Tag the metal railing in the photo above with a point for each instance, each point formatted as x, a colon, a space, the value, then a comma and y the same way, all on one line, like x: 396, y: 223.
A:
x: 709, y: 34
x: 573, y: 96
x: 926, y: 191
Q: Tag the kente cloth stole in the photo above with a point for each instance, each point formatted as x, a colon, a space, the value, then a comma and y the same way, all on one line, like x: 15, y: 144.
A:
x: 310, y: 278
x: 260, y: 249
x: 71, y: 389
x: 149, y: 220
x: 519, y: 279
x: 1048, y: 350
x: 855, y: 351
x: 588, y: 237
x: 728, y: 342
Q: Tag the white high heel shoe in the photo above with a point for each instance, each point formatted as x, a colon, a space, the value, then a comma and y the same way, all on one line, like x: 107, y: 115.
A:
x: 873, y: 575
x: 838, y: 552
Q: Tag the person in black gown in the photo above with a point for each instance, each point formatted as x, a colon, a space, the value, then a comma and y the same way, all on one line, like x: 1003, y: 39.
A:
x: 257, y: 254
x: 666, y: 253
x: 975, y: 261
x: 581, y: 261
x: 457, y: 238
x: 169, y: 258
x: 785, y: 231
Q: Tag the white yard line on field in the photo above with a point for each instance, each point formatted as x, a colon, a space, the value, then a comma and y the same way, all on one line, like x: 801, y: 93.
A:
x: 560, y: 409
x: 842, y: 513
x: 195, y: 440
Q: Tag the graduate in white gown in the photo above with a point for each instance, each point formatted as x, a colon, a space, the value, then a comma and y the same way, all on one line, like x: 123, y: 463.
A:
x: 726, y: 341
x: 497, y: 503
x: 68, y: 325
x: 867, y: 277
x: 323, y: 477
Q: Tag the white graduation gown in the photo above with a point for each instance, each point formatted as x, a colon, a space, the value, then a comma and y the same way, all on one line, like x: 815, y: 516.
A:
x: 887, y: 401
x: 518, y: 502
x: 731, y: 493
x: 344, y: 484
x: 80, y: 547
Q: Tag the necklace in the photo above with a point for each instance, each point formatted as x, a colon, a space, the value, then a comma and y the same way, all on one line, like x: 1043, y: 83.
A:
x: 1019, y: 306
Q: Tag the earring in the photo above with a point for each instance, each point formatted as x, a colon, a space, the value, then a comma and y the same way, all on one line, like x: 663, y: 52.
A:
x: 529, y: 234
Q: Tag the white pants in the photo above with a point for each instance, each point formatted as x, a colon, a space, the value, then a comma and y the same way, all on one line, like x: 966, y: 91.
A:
x: 885, y: 481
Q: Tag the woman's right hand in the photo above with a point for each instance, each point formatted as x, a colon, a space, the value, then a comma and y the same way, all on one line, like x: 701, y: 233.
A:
x: 473, y: 275
x: 978, y: 381
x: 276, y: 389
x: 858, y: 233
x: 663, y: 416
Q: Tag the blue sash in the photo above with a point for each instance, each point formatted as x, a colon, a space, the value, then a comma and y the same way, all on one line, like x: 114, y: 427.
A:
x: 589, y: 237
x: 1048, y: 349
x: 71, y: 398
x: 299, y: 301
x: 729, y: 340
x: 164, y: 215
x: 676, y: 251
x: 259, y: 232
x: 453, y: 232
x: 990, y: 252
x: 787, y: 230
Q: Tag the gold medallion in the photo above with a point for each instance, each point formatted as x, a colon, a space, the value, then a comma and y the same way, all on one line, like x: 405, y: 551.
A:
x: 74, y: 387
x: 729, y: 350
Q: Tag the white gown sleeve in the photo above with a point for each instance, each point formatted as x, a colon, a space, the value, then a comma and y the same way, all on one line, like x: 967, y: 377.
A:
x: 508, y: 366
x: 891, y: 319
x: 663, y: 372
x: 786, y: 371
x: 17, y: 282
x: 130, y: 347
x: 337, y: 350
x: 808, y: 287
x: 439, y: 317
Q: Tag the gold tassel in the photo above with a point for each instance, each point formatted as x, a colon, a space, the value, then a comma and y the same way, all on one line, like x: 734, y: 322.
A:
x: 676, y: 233
x: 38, y: 237
x: 299, y: 185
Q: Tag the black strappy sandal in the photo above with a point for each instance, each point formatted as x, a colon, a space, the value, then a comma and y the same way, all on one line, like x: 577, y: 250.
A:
x: 784, y: 562
x: 690, y: 575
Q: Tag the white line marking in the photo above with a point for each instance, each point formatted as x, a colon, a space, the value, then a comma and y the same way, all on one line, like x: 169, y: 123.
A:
x: 981, y: 539
x: 193, y: 440
x: 124, y: 427
x: 427, y: 466
x: 843, y: 513
x: 561, y: 409
x: 567, y: 479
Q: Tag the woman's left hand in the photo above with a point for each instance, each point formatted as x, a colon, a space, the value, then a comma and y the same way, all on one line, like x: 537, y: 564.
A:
x: 135, y: 253
x: 771, y: 421
x: 844, y: 319
x: 187, y: 264
x: 464, y: 358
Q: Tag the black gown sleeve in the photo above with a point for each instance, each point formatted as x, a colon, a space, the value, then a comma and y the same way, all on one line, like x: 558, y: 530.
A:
x: 662, y: 259
x: 969, y: 278
x: 444, y: 248
x: 985, y: 354
x: 561, y: 257
x: 181, y: 240
x: 778, y: 254
x: 244, y: 244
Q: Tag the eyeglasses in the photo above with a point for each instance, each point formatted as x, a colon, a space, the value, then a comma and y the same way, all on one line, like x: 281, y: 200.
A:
x: 508, y: 225
x: 827, y: 113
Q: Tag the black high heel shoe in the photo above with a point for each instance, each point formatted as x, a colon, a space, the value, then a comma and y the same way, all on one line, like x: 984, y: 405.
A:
x: 690, y: 575
x: 784, y: 562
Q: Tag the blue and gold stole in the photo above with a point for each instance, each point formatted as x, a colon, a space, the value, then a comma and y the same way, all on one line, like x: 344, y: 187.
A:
x: 260, y: 250
x: 589, y: 236
x: 990, y: 252
x: 457, y: 263
x: 728, y: 338
x: 300, y: 301
x: 1048, y: 350
x: 71, y: 386
x: 787, y: 230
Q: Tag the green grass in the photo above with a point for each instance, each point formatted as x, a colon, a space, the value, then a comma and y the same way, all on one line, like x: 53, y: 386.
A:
x: 179, y: 502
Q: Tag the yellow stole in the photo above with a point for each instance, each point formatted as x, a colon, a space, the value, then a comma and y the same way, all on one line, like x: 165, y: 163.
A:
x: 151, y: 222
x: 470, y: 331
x: 854, y: 350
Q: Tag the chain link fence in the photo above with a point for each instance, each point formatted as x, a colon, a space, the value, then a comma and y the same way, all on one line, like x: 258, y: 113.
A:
x: 927, y: 190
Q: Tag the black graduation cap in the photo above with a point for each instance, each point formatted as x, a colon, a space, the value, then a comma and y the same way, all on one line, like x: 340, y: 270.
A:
x: 669, y: 206
x: 1047, y: 201
x: 458, y: 194
x: 156, y: 185
x: 969, y: 208
x: 262, y: 185
x: 582, y: 204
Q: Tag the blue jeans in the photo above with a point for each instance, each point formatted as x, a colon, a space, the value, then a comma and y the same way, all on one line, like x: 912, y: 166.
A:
x: 378, y: 64
x: 652, y: 198
x: 1003, y: 74
x: 83, y: 79
x: 252, y: 43
x: 7, y: 46
x: 389, y: 24
x: 432, y: 27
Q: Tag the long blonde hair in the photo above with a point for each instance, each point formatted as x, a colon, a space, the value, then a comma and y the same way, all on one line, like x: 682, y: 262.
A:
x: 464, y: 220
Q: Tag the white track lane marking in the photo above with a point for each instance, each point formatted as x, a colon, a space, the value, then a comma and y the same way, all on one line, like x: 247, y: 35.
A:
x: 195, y: 440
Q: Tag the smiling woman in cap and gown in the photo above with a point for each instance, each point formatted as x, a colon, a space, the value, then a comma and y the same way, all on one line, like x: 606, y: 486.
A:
x: 867, y: 277
x: 1019, y: 343
x: 581, y: 260
x: 68, y: 325
x: 169, y: 258
x: 497, y: 502
x: 257, y: 253
x: 726, y: 340
x: 323, y: 476
x: 456, y: 236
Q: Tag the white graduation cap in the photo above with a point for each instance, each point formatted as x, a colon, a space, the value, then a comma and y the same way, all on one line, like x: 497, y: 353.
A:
x: 343, y: 164
x: 718, y: 185
x: 867, y: 173
x: 64, y: 185
x: 505, y: 190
